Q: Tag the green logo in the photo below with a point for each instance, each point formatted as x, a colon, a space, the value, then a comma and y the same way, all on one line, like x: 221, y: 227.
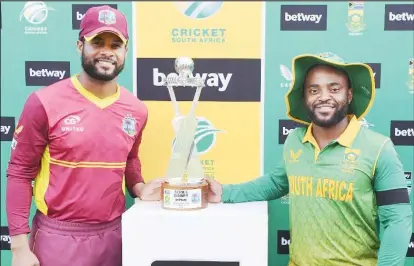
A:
x: 198, y: 10
x: 205, y: 136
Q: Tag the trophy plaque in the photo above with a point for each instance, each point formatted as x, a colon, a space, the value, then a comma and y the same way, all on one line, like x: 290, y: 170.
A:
x: 184, y: 187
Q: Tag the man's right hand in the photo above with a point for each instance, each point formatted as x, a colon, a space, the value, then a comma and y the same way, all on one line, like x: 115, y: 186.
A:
x: 215, y: 190
x: 24, y: 257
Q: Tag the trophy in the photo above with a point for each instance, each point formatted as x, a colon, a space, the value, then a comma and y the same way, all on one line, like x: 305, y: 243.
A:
x: 184, y: 187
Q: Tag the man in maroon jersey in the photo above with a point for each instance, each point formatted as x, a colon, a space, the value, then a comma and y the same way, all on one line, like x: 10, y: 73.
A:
x: 78, y: 139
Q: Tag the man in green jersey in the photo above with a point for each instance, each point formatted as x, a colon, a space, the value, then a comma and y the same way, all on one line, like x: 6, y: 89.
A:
x: 340, y: 176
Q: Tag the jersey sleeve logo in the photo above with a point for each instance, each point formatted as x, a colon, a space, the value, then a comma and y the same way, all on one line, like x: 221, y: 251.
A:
x: 15, y: 136
x: 129, y: 125
x: 17, y: 131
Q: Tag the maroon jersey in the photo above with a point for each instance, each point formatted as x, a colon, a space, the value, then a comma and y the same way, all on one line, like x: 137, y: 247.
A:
x: 81, y: 151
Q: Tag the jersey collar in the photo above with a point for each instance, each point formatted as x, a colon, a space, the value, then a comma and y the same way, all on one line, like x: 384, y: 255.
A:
x: 345, y: 139
x: 101, y: 103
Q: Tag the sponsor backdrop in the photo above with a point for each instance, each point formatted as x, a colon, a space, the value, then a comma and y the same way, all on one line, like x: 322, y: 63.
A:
x: 38, y: 47
x: 242, y: 121
x: 226, y: 49
x: 355, y: 31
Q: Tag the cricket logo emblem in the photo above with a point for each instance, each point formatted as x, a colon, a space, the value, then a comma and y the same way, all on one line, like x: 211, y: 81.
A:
x: 107, y: 17
x: 128, y: 125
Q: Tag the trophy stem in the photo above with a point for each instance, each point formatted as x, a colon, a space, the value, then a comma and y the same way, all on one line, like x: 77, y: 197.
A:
x: 195, y: 100
x: 174, y: 100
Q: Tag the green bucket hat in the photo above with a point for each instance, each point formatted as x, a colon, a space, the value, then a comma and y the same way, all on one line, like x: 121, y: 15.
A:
x: 360, y: 75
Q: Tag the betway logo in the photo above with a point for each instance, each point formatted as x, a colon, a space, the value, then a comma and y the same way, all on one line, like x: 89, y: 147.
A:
x: 316, y: 18
x: 286, y: 131
x: 284, y: 241
x: 5, y: 129
x: 79, y: 16
x: 401, y: 16
x: 404, y: 132
x: 46, y: 73
x: 220, y: 80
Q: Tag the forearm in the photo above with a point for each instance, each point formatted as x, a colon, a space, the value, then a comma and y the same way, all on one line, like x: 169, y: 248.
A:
x: 19, y: 242
x: 18, y: 201
x: 137, y: 190
x: 261, y: 189
x: 396, y: 236
x: 133, y: 176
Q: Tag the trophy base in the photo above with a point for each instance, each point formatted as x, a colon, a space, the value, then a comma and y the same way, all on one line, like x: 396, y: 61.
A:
x: 189, y: 196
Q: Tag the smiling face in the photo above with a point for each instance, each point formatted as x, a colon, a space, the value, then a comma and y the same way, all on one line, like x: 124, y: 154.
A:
x: 327, y: 95
x: 103, y: 57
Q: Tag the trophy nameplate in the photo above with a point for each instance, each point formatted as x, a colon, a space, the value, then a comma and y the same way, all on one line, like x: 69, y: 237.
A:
x: 184, y: 187
x: 185, y: 196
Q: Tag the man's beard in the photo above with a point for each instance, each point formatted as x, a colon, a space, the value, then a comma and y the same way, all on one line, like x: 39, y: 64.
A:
x: 90, y: 69
x: 339, y: 114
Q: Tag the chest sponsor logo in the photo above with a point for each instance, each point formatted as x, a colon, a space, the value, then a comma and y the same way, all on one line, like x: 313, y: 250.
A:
x: 285, y: 127
x: 224, y: 78
x: 5, y: 238
x: 376, y: 68
x: 79, y: 10
x: 399, y: 17
x: 303, y: 18
x: 283, y: 241
x: 71, y: 123
x: 8, y: 125
x: 402, y: 133
x: 45, y: 73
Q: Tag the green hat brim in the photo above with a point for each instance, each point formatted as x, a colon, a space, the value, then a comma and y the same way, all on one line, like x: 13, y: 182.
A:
x: 360, y: 75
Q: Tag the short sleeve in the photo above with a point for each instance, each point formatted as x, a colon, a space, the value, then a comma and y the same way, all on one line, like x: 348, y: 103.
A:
x: 389, y: 178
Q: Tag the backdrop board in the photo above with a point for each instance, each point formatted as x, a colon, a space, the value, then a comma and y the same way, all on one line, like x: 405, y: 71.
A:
x: 244, y: 50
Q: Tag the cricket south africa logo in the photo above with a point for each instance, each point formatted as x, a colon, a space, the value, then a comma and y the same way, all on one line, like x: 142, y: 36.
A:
x: 355, y: 23
x: 205, y: 136
x: 198, y: 10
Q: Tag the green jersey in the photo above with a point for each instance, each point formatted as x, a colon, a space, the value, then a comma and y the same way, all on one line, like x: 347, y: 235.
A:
x: 332, y: 194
